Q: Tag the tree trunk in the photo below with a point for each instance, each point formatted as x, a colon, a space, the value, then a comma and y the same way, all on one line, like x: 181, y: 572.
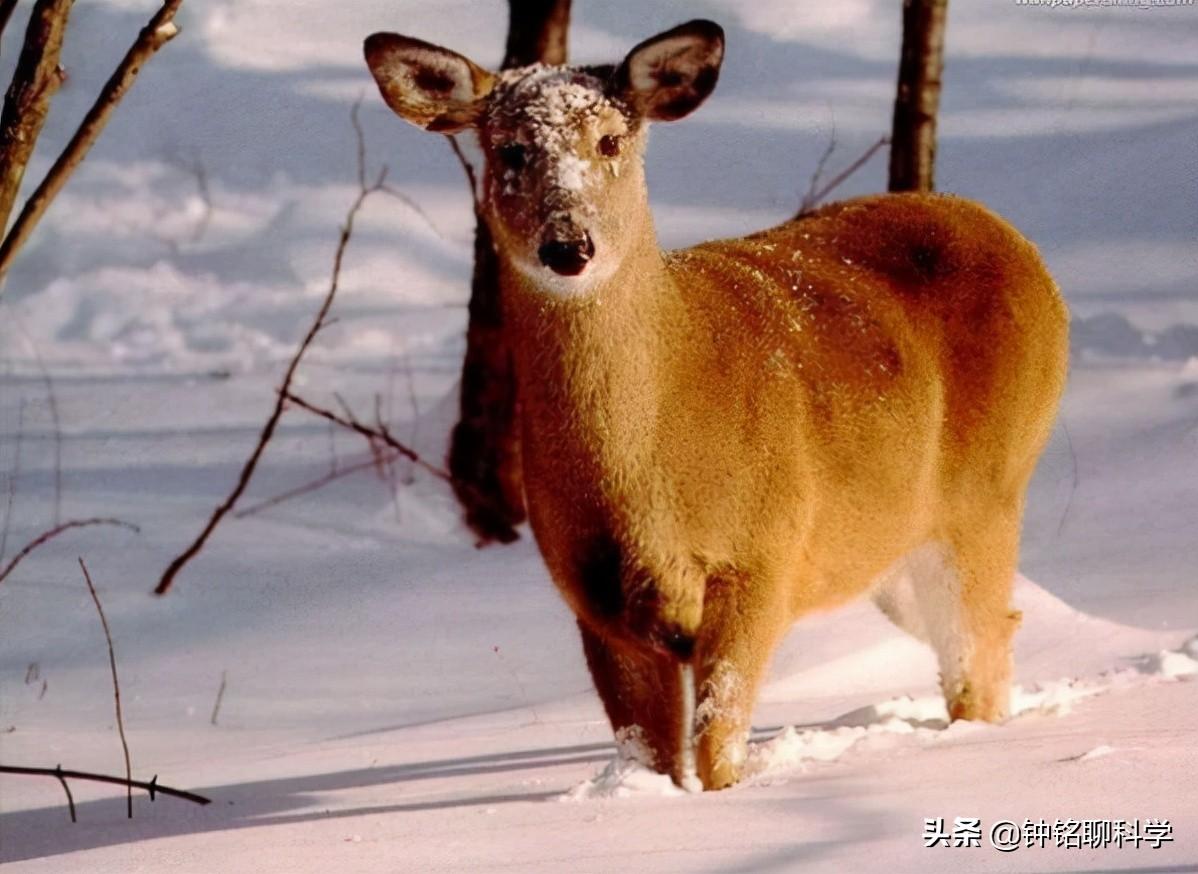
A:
x: 34, y: 81
x: 484, y: 453
x: 913, y: 140
x: 536, y: 32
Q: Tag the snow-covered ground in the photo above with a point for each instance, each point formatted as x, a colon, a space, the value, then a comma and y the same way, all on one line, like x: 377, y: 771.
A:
x: 399, y: 701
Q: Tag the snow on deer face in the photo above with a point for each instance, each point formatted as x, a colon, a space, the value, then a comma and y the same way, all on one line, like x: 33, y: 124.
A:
x: 563, y: 159
x: 563, y: 145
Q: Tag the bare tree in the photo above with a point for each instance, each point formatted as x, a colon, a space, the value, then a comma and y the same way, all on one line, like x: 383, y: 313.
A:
x: 36, y: 78
x: 484, y: 455
x: 913, y: 139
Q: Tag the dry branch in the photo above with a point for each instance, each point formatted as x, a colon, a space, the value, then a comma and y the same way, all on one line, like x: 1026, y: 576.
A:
x: 220, y: 695
x: 51, y: 533
x: 62, y: 775
x: 813, y: 197
x: 320, y: 482
x: 13, y: 474
x: 67, y: 789
x: 157, y: 33
x: 468, y: 169
x: 378, y: 433
x: 272, y: 421
x: 116, y: 688
x: 34, y: 81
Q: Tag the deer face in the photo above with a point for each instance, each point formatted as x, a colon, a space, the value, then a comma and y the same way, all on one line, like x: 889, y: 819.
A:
x: 564, y: 184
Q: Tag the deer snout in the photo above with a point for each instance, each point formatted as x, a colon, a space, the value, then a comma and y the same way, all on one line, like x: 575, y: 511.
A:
x: 567, y: 257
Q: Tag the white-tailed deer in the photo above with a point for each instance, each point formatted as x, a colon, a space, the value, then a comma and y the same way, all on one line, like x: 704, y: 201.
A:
x: 720, y: 439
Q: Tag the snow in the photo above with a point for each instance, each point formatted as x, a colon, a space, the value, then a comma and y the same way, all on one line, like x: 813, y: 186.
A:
x: 398, y: 700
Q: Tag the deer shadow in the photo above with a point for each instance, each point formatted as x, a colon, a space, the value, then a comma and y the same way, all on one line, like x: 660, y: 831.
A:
x: 47, y: 831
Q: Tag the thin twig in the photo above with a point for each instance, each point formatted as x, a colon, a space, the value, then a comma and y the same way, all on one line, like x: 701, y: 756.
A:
x: 272, y: 422
x: 360, y: 136
x: 220, y: 694
x: 318, y: 483
x: 394, y: 192
x: 52, y: 402
x: 58, y: 772
x: 116, y: 687
x: 51, y: 533
x: 845, y: 174
x: 56, y: 426
x: 467, y: 168
x: 153, y: 786
x: 1074, y: 480
x: 378, y: 434
x: 157, y: 33
x: 13, y: 473
x: 809, y: 199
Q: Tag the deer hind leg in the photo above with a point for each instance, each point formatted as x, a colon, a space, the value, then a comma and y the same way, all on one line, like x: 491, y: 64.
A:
x: 642, y: 698
x: 957, y: 598
x: 739, y: 638
x: 985, y: 554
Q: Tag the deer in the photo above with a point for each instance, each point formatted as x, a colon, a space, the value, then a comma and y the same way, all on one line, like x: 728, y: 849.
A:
x: 720, y: 440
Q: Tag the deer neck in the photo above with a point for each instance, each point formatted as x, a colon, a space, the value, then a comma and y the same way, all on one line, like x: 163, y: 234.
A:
x: 589, y: 365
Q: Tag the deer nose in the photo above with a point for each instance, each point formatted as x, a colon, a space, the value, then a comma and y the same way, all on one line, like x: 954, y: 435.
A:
x: 567, y: 257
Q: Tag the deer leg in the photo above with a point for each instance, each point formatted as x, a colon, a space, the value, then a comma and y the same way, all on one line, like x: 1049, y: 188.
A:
x: 962, y: 596
x: 642, y: 697
x: 740, y: 635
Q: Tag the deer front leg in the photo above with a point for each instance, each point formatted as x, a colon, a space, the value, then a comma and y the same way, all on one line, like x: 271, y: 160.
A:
x: 642, y: 697
x: 741, y: 630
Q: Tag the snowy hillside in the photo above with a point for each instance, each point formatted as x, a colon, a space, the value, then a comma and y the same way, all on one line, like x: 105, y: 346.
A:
x: 398, y: 701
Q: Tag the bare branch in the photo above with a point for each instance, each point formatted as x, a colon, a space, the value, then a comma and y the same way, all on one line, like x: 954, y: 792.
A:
x: 272, y: 421
x: 308, y: 487
x: 220, y: 695
x: 55, y: 419
x: 1073, y: 481
x: 54, y: 532
x: 153, y: 786
x: 468, y: 169
x: 844, y: 174
x: 67, y: 789
x: 116, y: 687
x: 394, y: 192
x: 34, y: 82
x: 377, y: 434
x: 13, y: 473
x: 159, y: 31
x: 809, y: 199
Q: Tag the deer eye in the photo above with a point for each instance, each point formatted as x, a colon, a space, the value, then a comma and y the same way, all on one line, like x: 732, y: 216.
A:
x: 609, y: 145
x: 513, y: 155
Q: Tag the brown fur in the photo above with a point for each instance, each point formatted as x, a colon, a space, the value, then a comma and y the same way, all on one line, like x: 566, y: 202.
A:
x: 760, y: 428
x: 719, y: 440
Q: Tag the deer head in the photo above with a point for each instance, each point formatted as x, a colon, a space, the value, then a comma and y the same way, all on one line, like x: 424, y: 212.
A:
x: 564, y: 190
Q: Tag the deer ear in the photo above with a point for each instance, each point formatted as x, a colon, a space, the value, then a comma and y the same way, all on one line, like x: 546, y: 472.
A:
x: 432, y: 87
x: 667, y: 76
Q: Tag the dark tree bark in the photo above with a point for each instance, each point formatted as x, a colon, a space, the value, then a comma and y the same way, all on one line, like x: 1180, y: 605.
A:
x: 484, y: 454
x: 36, y: 78
x: 536, y: 32
x: 6, y: 8
x: 913, y: 139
